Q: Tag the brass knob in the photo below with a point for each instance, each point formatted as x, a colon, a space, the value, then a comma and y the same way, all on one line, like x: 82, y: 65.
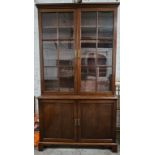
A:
x: 78, y: 54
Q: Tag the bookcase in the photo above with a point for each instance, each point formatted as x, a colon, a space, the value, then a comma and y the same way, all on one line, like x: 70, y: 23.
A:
x: 77, y: 106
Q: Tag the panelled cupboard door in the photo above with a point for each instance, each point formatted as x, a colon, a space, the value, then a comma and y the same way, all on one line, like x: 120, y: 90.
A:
x: 57, y: 120
x: 97, y: 121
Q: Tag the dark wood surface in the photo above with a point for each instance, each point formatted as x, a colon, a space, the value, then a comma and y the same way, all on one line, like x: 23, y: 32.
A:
x: 76, y: 97
x: 78, y: 121
x: 96, y: 120
x: 73, y: 6
x: 58, y: 120
x: 112, y: 146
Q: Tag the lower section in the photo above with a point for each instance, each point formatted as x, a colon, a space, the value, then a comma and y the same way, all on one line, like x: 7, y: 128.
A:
x: 78, y: 122
x: 112, y: 146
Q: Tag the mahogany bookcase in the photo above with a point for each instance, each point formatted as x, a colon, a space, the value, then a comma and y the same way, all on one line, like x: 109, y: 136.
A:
x: 77, y: 106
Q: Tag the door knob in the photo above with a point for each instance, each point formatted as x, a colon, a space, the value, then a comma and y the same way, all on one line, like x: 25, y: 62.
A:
x: 78, y: 122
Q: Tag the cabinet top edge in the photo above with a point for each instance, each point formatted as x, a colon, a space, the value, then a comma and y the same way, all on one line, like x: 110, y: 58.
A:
x: 53, y: 5
x: 78, y: 97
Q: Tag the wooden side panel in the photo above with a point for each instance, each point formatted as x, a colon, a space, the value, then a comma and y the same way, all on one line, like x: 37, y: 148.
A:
x: 58, y: 120
x: 97, y: 121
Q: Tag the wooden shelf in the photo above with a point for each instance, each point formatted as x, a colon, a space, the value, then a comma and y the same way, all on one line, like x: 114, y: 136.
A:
x: 50, y: 27
x: 96, y: 39
x: 70, y: 39
x: 57, y: 27
x: 96, y: 65
x: 89, y: 26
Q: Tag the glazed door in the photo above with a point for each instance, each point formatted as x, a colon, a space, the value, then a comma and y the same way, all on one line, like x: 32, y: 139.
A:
x: 57, y: 120
x: 58, y: 46
x: 97, y: 121
x: 96, y: 50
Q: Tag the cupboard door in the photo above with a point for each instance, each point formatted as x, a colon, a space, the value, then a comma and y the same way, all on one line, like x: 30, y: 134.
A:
x: 57, y: 120
x: 58, y: 51
x: 97, y: 121
x: 96, y: 48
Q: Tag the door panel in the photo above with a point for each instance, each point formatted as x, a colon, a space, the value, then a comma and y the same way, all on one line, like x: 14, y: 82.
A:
x: 97, y: 121
x: 58, y: 120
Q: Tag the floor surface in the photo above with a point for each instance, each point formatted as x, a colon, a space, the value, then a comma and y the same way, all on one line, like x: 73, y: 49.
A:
x: 66, y: 151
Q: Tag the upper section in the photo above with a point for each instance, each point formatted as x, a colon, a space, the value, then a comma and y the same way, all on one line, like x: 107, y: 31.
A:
x: 74, y: 1
x: 78, y: 48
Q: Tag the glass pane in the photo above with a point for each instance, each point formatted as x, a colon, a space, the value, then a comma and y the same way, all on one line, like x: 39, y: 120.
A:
x: 67, y: 84
x: 88, y: 79
x: 66, y: 78
x: 104, y: 56
x: 88, y: 71
x: 50, y: 73
x: 52, y: 85
x: 66, y: 52
x: 101, y: 59
x: 88, y: 85
x: 104, y: 78
x: 88, y: 33
x: 65, y: 33
x: 88, y: 56
x: 66, y: 72
x: 88, y: 19
x: 104, y: 33
x: 49, y: 20
x: 66, y: 46
x: 66, y: 19
x: 66, y: 63
x: 88, y: 45
x: 89, y: 59
x: 51, y: 78
x: 105, y: 19
x: 49, y: 33
x: 50, y: 53
x: 105, y: 44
